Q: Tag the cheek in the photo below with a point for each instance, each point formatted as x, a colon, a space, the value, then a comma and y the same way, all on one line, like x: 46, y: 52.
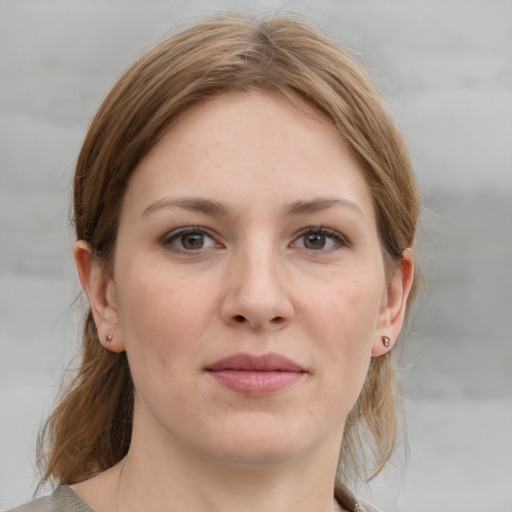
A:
x: 162, y: 318
x: 343, y: 322
x: 162, y: 331
x: 347, y: 309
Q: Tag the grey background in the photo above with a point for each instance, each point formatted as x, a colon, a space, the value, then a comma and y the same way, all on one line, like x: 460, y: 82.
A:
x: 445, y: 68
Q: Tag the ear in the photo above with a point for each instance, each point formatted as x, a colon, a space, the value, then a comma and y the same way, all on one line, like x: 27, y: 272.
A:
x: 392, y: 313
x: 101, y: 292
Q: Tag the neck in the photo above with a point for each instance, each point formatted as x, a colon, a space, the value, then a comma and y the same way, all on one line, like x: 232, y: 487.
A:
x: 174, y: 479
x: 161, y: 474
x: 204, y: 487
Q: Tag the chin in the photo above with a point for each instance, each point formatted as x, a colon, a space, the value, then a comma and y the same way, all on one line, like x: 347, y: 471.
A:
x: 261, y: 454
x: 261, y: 443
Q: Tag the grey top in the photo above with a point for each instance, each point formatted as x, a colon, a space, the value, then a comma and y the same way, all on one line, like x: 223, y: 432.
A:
x: 64, y: 499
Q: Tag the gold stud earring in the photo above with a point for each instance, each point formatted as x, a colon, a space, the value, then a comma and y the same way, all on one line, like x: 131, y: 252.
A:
x: 108, y: 339
x: 386, y: 341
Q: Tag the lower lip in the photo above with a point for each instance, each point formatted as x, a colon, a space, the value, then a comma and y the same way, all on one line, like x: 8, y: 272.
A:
x: 256, y: 383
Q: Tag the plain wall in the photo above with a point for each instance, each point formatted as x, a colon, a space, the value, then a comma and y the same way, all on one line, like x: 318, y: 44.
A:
x: 445, y: 69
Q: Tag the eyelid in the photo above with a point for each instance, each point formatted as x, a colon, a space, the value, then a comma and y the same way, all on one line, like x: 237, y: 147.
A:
x: 174, y: 234
x: 341, y: 240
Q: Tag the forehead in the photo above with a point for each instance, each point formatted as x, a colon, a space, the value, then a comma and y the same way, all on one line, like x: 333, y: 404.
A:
x: 249, y: 147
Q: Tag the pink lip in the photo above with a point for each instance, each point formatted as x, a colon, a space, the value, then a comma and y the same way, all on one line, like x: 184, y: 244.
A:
x: 256, y: 375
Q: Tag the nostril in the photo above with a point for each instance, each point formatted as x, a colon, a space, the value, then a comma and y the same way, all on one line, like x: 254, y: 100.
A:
x: 240, y: 318
x: 277, y: 320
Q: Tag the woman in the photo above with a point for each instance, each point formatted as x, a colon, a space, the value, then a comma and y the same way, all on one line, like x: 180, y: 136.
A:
x: 245, y: 211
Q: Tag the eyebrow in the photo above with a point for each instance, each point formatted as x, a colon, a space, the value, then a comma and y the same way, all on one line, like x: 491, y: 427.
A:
x: 193, y: 204
x: 214, y: 208
x: 320, y: 204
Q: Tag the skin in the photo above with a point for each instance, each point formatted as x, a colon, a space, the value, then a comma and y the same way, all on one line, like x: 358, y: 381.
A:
x: 255, y: 273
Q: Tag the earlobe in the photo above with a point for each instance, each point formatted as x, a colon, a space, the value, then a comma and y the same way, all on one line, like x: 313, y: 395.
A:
x: 392, y: 313
x: 100, y: 290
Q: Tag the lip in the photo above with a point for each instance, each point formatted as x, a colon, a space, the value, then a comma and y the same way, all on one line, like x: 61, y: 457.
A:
x: 256, y: 375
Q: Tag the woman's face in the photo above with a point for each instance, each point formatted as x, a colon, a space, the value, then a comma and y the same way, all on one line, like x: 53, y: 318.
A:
x: 248, y: 288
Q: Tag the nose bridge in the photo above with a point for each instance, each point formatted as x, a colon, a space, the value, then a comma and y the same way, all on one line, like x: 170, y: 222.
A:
x: 259, y: 276
x: 256, y: 292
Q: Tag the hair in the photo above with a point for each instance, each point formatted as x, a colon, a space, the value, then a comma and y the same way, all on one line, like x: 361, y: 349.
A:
x: 90, y: 429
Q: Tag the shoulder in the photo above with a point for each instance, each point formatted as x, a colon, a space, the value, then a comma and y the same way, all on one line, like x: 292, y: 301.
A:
x: 364, y: 506
x: 350, y: 502
x: 63, y: 499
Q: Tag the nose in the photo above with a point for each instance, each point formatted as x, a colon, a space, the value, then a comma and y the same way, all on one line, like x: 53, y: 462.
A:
x: 256, y: 294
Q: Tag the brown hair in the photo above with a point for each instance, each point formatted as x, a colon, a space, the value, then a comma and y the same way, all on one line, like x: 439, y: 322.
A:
x: 90, y: 429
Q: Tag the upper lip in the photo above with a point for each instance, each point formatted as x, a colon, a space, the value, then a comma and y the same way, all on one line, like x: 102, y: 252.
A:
x: 248, y: 362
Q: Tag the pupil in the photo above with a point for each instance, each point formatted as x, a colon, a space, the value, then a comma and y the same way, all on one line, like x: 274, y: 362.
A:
x: 315, y: 241
x: 192, y: 241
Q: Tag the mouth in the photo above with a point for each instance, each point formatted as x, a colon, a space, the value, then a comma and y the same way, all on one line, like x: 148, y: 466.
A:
x: 256, y: 375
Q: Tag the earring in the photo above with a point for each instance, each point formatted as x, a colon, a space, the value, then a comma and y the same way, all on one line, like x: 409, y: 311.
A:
x: 108, y: 338
x: 386, y: 341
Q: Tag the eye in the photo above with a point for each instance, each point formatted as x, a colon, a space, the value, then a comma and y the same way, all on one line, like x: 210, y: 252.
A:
x: 318, y: 239
x: 190, y: 239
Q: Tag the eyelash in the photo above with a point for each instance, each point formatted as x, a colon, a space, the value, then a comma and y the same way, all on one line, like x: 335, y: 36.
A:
x: 190, y: 230
x: 338, y: 239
